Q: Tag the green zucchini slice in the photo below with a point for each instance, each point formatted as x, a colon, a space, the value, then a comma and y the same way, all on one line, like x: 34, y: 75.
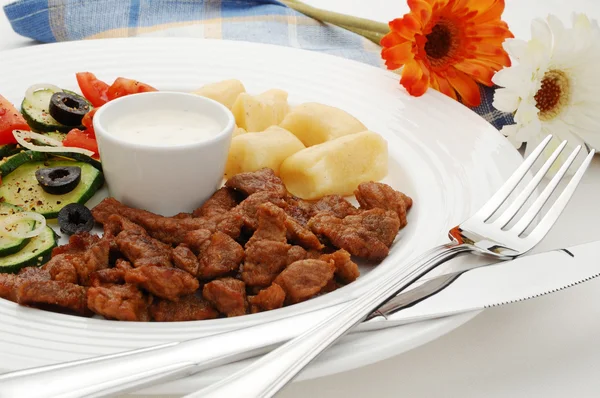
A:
x: 21, y: 188
x: 35, y: 253
x: 8, y: 244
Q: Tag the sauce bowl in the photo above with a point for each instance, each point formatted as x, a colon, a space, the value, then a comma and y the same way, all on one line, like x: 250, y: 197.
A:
x: 169, y: 177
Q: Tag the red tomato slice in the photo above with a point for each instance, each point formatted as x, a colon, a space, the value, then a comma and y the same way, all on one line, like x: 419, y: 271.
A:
x: 79, y: 139
x: 10, y: 119
x: 123, y: 86
x: 93, y: 89
x: 87, y: 122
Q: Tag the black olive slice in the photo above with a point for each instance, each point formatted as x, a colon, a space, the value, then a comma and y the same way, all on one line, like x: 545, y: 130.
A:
x: 68, y: 109
x: 58, y: 180
x: 74, y: 218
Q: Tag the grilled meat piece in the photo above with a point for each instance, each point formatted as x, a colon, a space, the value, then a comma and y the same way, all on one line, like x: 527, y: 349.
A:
x: 228, y: 295
x: 120, y: 302
x: 368, y: 234
x: 372, y: 195
x: 188, y: 308
x: 54, y: 295
x: 303, y: 279
x: 165, y: 282
x: 267, y: 299
x: 257, y: 181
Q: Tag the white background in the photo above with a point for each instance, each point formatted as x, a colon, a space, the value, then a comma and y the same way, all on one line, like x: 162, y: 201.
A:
x: 546, y: 347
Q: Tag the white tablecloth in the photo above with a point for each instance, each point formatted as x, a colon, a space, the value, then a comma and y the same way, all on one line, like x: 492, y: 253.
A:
x: 546, y: 347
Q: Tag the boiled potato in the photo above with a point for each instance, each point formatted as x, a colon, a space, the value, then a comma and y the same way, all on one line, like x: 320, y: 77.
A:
x: 336, y: 167
x: 237, y: 131
x: 253, y: 151
x: 257, y: 113
x: 224, y: 92
x: 315, y: 123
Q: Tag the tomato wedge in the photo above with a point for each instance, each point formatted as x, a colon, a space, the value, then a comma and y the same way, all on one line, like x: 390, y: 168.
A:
x: 93, y: 89
x: 79, y: 139
x: 122, y: 87
x: 10, y: 119
x: 87, y: 122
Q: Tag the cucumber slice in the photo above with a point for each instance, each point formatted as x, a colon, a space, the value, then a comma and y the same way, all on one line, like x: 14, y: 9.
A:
x: 11, y: 163
x: 70, y: 155
x: 37, y: 116
x: 10, y: 245
x: 9, y: 150
x: 35, y: 253
x: 22, y: 189
x: 80, y: 157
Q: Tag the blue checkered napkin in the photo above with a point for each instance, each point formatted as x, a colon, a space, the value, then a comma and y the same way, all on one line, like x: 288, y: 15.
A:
x: 497, y: 118
x: 263, y: 21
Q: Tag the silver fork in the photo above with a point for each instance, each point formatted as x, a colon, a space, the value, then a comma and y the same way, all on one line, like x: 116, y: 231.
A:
x: 479, y: 234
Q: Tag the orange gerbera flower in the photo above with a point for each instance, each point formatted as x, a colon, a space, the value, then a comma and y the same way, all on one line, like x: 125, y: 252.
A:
x: 448, y: 45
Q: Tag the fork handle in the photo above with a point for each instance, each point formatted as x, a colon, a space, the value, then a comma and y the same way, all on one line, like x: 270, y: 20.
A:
x: 265, y: 377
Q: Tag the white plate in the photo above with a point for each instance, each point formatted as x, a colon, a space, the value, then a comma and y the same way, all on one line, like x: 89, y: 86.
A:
x: 442, y: 154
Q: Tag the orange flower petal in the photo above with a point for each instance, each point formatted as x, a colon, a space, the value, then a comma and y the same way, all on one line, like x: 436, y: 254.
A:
x: 487, y: 48
x: 392, y: 65
x: 445, y: 87
x: 496, y: 61
x: 411, y: 74
x: 491, y: 63
x: 406, y: 27
x: 399, y: 55
x: 488, y: 30
x: 466, y: 88
x: 481, y: 73
x: 421, y: 9
x: 421, y: 86
x: 462, y: 7
x: 433, y: 82
x: 479, y: 6
x: 391, y: 39
x: 437, y: 5
x: 488, y: 12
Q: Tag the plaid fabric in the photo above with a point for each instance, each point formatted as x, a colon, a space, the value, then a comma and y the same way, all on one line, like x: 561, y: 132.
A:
x: 264, y: 21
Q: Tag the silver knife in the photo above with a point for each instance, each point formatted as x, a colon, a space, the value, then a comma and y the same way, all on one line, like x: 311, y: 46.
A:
x: 480, y: 288
x: 490, y: 286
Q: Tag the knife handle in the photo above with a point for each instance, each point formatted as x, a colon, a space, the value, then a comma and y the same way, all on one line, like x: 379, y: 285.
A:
x: 97, y: 376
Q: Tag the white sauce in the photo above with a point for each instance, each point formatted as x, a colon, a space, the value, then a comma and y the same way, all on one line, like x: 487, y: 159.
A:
x: 166, y: 127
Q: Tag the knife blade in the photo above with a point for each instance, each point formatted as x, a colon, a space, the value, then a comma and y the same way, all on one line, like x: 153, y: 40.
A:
x: 490, y: 286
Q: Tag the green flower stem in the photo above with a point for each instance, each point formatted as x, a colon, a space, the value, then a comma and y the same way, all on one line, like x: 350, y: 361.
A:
x: 341, y: 20
x: 375, y: 37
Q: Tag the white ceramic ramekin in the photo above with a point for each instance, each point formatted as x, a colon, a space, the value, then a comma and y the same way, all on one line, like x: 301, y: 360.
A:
x: 167, y: 179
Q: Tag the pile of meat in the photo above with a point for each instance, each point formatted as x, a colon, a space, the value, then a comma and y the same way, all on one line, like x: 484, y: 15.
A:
x: 251, y: 247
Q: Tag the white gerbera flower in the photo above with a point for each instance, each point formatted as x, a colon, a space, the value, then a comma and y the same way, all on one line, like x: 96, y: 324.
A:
x: 553, y: 88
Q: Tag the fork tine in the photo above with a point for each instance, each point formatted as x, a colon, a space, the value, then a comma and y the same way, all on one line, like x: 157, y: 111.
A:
x: 518, y: 203
x: 536, y: 207
x: 509, y: 186
x: 555, y: 211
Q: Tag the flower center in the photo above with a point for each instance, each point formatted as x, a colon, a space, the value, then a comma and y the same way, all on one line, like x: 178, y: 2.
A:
x: 553, y: 95
x: 441, y: 42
